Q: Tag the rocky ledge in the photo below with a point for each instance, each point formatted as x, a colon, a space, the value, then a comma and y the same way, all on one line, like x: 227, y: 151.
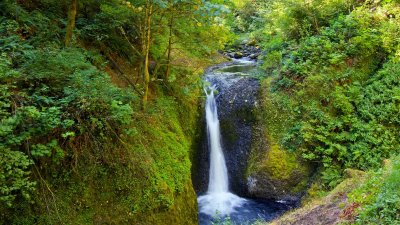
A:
x: 248, y: 49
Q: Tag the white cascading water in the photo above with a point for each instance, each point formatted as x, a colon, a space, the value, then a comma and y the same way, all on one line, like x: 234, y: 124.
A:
x: 218, y: 199
x: 218, y: 182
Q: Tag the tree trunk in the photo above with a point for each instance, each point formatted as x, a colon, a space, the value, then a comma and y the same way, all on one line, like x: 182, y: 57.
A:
x: 146, y: 47
x: 168, y: 72
x: 171, y: 24
x: 71, y: 22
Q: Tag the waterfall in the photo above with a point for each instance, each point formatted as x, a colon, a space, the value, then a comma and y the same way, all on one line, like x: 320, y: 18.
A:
x: 218, y: 182
x: 218, y: 199
x: 218, y: 202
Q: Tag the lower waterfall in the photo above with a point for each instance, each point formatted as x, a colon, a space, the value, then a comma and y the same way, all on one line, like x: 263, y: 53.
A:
x: 218, y: 199
x: 219, y: 202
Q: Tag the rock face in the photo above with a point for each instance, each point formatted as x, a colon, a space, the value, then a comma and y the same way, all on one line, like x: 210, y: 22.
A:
x: 236, y: 101
x: 246, y: 49
x: 328, y: 210
x: 236, y: 106
x: 201, y: 161
x: 273, y: 172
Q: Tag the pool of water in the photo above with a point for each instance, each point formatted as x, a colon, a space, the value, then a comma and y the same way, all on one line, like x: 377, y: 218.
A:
x: 249, y: 212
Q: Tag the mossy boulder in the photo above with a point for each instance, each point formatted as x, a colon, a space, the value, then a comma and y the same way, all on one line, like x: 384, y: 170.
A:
x: 238, y: 55
x: 275, y: 173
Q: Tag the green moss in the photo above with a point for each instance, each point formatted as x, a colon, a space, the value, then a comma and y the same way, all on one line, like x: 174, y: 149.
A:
x: 140, y: 179
x: 246, y: 114
x: 269, y: 162
x: 276, y: 111
x: 273, y: 118
x: 279, y: 163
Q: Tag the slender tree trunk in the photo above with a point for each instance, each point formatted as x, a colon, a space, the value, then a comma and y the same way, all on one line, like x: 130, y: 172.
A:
x: 171, y: 23
x: 146, y: 46
x: 71, y: 22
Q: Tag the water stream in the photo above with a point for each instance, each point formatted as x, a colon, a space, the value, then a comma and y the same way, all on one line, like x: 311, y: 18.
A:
x: 218, y: 198
x: 218, y: 203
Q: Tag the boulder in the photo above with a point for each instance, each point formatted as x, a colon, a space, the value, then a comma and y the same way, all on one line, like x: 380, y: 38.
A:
x: 238, y: 55
x: 274, y: 172
x: 253, y: 56
x: 231, y: 55
x: 252, y: 42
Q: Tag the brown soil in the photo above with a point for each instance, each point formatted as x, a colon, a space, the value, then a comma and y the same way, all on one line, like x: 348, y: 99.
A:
x: 332, y: 209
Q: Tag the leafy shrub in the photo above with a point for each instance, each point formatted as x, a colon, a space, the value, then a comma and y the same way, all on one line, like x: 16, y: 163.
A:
x: 379, y: 197
x: 333, y: 61
x: 14, y: 176
x: 52, y: 96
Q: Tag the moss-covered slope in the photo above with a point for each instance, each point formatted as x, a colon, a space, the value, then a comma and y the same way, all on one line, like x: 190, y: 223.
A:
x: 273, y: 172
x: 143, y: 179
x: 76, y: 147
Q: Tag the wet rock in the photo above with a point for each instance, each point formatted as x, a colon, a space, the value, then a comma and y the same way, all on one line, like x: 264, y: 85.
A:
x: 245, y: 41
x: 201, y: 159
x: 236, y: 116
x: 252, y: 42
x: 231, y: 55
x: 256, y: 166
x: 253, y: 56
x: 238, y: 55
x: 245, y: 49
x: 236, y: 101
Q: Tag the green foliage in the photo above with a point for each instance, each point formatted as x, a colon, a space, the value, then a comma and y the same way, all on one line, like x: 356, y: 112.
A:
x: 14, y: 176
x: 42, y: 88
x: 335, y: 82
x: 221, y: 220
x: 379, y: 196
x: 73, y: 145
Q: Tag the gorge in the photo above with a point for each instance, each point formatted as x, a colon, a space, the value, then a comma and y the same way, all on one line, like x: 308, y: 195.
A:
x: 104, y: 120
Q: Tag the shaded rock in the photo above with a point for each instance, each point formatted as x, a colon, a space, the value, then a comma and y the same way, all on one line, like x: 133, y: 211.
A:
x: 252, y: 42
x: 257, y: 167
x: 253, y: 56
x: 236, y: 101
x: 236, y: 115
x: 274, y: 172
x: 238, y: 55
x: 231, y: 55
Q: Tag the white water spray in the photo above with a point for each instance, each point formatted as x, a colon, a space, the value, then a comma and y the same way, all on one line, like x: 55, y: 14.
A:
x: 218, y: 182
x: 218, y: 199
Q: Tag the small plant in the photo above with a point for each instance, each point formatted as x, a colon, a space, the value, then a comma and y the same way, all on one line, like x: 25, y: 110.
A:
x: 219, y: 219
